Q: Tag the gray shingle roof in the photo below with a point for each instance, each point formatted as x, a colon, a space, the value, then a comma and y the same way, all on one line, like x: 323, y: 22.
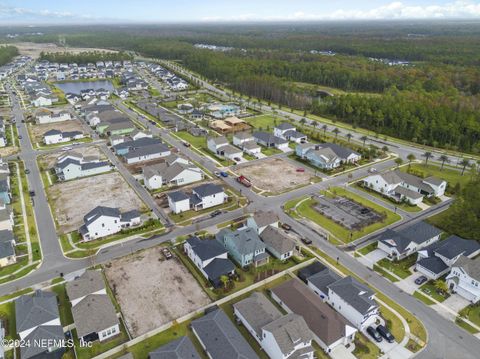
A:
x: 206, y: 248
x: 323, y: 279
x: 44, y: 332
x: 245, y: 241
x: 310, y: 270
x: 181, y: 348
x: 471, y: 266
x: 340, y: 151
x: 268, y: 138
x: 94, y: 313
x: 218, y: 267
x: 99, y: 211
x: 89, y: 282
x: 207, y: 189
x: 177, y: 196
x: 221, y: 338
x: 34, y: 310
x: 264, y: 218
x: 433, y: 264
x: 285, y: 126
x: 418, y: 233
x: 454, y: 245
x: 276, y: 240
x: 354, y: 293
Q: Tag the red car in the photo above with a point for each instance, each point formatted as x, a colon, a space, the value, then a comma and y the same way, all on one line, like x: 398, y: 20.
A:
x: 300, y: 169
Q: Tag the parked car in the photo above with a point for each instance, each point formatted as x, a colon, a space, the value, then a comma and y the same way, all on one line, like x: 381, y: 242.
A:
x: 166, y: 253
x: 237, y: 159
x: 372, y: 170
x: 374, y: 334
x: 32, y: 193
x: 216, y: 173
x: 224, y: 174
x: 287, y: 227
x: 420, y: 280
x: 300, y: 169
x: 384, y: 332
x: 19, y: 137
x: 27, y: 171
x: 186, y: 144
x: 215, y: 213
x: 306, y: 241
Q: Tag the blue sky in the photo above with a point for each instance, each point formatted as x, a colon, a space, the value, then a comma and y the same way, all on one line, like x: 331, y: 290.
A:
x: 160, y: 11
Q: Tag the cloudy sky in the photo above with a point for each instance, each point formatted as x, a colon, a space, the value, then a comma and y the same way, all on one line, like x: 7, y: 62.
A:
x: 160, y: 11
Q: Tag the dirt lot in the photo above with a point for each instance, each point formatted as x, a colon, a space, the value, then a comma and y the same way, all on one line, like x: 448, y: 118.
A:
x: 168, y: 292
x: 37, y: 131
x: 34, y: 49
x: 47, y: 161
x: 274, y: 175
x: 73, y: 199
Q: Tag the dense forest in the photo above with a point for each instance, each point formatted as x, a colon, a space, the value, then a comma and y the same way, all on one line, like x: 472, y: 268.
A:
x: 85, y: 57
x: 7, y: 53
x: 434, y: 100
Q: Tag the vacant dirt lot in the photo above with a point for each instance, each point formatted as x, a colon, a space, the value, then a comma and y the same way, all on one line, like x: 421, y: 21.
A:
x: 47, y: 161
x: 34, y: 49
x: 168, y: 292
x: 274, y: 175
x: 37, y: 131
x: 73, y: 199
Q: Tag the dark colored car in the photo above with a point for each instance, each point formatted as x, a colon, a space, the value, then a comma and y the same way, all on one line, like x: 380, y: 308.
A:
x: 224, y: 174
x: 420, y: 280
x: 374, y: 334
x: 237, y: 159
x: 20, y: 137
x: 27, y: 171
x: 32, y: 193
x: 385, y: 333
x: 286, y: 227
x: 307, y: 241
x: 215, y: 213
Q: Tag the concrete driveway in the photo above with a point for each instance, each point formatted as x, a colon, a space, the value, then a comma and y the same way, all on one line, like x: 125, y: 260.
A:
x: 408, y: 284
x: 373, y: 257
x: 341, y: 352
x: 451, y: 306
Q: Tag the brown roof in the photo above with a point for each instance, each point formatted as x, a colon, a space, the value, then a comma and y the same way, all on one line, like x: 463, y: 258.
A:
x: 328, y: 325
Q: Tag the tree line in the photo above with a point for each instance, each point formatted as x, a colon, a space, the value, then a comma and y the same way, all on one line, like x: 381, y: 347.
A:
x: 84, y: 57
x: 7, y: 53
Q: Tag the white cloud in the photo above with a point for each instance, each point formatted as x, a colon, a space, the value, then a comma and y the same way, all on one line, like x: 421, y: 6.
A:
x: 9, y: 12
x: 395, y: 10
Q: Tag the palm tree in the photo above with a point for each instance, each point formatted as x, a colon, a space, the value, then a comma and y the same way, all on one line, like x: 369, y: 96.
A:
x: 427, y: 156
x: 385, y: 149
x: 464, y: 163
x: 441, y: 286
x: 364, y: 139
x: 336, y: 131
x: 349, y: 136
x: 314, y: 124
x: 411, y: 157
x: 324, y: 128
x: 444, y: 159
x: 398, y: 161
x: 303, y: 121
x: 224, y: 279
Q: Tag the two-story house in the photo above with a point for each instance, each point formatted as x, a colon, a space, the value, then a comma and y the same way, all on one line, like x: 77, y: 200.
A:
x: 464, y: 278
x: 262, y: 219
x: 289, y: 132
x: 204, y: 196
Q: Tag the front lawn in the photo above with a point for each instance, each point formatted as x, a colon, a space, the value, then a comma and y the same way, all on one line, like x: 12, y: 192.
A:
x: 270, y: 151
x: 472, y: 313
x: 401, y: 267
x: 405, y: 206
x: 367, y: 249
x: 99, y: 347
x: 431, y: 290
x: 364, y: 348
x: 263, y: 122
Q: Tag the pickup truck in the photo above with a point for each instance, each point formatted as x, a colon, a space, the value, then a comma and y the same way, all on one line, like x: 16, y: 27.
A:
x: 244, y: 180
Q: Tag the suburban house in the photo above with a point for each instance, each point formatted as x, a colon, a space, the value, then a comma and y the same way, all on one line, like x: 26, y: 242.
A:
x: 7, y: 248
x: 6, y: 217
x: 437, y: 259
x: 104, y: 221
x: 280, y: 335
x: 289, y: 132
x: 220, y: 147
x: 178, y: 173
x: 318, y: 281
x: 5, y: 194
x: 204, y: 196
x: 45, y: 115
x: 220, y: 338
x: 269, y: 140
x: 210, y: 257
x: 401, y: 186
x: 399, y: 244
x: 143, y: 149
x: 262, y: 219
x: 93, y: 312
x: 54, y: 136
x: 246, y: 142
x: 181, y: 348
x: 326, y: 155
x: 328, y: 327
x: 38, y: 319
x: 244, y: 246
x: 73, y: 165
x: 464, y: 278
x: 41, y: 100
x: 278, y: 243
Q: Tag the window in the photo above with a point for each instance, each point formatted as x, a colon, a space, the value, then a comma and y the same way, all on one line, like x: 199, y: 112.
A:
x: 103, y: 225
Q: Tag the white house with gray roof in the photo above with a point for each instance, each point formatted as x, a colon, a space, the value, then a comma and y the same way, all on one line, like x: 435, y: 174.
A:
x: 178, y: 173
x: 270, y: 140
x: 73, y: 165
x: 279, y: 244
x: 464, y: 278
x: 262, y: 219
x: 93, y: 312
x: 401, y: 186
x: 280, y: 335
x: 205, y: 196
x: 37, y: 318
x: 104, y: 221
x: 220, y: 338
x: 289, y: 132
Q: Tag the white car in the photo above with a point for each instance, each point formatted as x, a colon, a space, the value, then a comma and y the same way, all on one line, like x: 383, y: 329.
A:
x: 372, y: 170
x: 216, y: 173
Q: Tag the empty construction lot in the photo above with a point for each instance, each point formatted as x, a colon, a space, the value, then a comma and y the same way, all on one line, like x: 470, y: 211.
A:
x: 168, y: 292
x: 274, y: 175
x: 37, y: 131
x: 71, y: 200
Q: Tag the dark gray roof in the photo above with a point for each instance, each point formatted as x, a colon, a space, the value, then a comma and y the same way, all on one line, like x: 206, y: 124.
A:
x: 99, y: 211
x: 35, y: 310
x: 433, y: 264
x: 182, y: 348
x: 218, y: 267
x: 141, y: 142
x: 91, y: 165
x: 245, y: 241
x: 6, y: 236
x: 93, y: 314
x: 128, y: 216
x: 206, y: 249
x: 323, y: 279
x: 52, y: 133
x: 276, y: 240
x: 221, y: 338
x: 285, y: 126
x: 177, y: 196
x: 354, y: 293
x: 310, y: 270
x: 340, y: 151
x: 146, y: 150
x: 207, y: 189
x: 418, y: 233
x: 89, y: 282
x: 44, y: 332
x: 6, y: 249
x: 268, y: 138
x: 454, y: 245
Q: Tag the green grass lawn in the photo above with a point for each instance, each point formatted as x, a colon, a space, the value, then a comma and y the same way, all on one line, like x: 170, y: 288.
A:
x: 270, y: 151
x: 306, y: 209
x: 64, y: 306
x: 423, y: 297
x: 429, y: 289
x: 364, y: 348
x: 404, y: 206
x: 263, y: 122
x: 472, y: 313
x: 459, y: 321
x: 400, y: 268
x: 99, y: 347
x: 367, y: 249
x: 384, y: 273
x: 450, y: 175
x: 7, y: 315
